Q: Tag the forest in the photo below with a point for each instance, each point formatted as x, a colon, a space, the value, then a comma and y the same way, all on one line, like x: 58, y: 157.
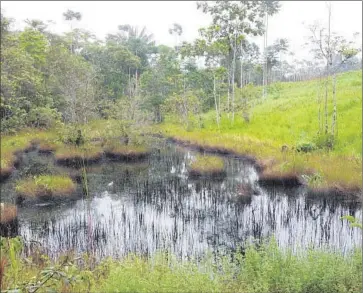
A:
x: 120, y: 156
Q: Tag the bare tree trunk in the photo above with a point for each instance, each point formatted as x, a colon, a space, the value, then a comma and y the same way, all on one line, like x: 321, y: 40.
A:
x: 136, y: 81
x: 335, y: 106
x: 233, y: 74
x: 185, y: 104
x: 319, y: 112
x: 129, y: 83
x: 241, y: 68
x: 326, y: 101
x: 265, y: 73
x: 329, y: 56
x: 215, y: 98
x: 228, y: 93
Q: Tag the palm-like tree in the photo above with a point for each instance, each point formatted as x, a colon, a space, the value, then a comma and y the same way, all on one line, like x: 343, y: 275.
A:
x: 132, y: 32
x: 71, y: 15
x: 140, y: 43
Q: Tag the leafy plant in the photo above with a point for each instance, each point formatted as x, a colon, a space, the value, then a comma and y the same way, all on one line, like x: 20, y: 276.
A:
x: 353, y: 221
x: 306, y: 147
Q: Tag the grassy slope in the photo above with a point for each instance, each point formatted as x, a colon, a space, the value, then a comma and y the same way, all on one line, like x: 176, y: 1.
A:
x: 292, y: 118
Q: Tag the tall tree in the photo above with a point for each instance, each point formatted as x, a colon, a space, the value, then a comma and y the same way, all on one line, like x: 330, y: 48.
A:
x: 233, y: 20
x: 326, y: 46
x: 71, y: 16
x: 176, y: 31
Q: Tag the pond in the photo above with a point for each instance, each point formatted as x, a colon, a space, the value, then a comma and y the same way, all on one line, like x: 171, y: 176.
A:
x: 153, y: 205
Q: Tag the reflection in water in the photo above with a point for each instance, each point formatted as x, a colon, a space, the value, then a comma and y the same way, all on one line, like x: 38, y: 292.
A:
x: 153, y: 205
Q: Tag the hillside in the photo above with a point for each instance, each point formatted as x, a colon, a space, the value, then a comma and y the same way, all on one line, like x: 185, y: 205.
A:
x: 289, y: 116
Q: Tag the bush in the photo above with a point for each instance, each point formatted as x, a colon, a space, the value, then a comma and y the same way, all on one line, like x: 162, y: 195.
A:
x: 325, y: 141
x: 12, y: 119
x: 275, y: 90
x: 306, y: 147
x: 43, y: 117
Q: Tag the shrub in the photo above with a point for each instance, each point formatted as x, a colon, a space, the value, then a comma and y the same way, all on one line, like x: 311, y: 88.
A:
x: 325, y: 141
x: 43, y: 117
x: 306, y: 147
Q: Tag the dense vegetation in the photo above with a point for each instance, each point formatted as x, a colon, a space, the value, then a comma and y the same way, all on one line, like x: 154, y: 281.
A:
x: 289, y: 118
x: 74, y: 95
x: 53, y: 81
x: 266, y: 269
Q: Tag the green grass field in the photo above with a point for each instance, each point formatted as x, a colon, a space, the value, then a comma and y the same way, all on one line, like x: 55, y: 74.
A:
x: 289, y: 116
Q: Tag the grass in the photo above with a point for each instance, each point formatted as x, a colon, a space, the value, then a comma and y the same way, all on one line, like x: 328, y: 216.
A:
x: 48, y: 146
x: 69, y: 154
x: 206, y: 165
x: 8, y: 213
x: 45, y: 185
x: 130, y: 152
x: 264, y: 270
x: 290, y: 118
x: 12, y: 145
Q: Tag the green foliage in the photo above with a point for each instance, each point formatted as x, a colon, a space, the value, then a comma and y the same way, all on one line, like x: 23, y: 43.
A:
x: 38, y: 274
x: 266, y: 269
x: 43, y: 117
x: 353, y: 221
x: 306, y: 147
x: 69, y: 134
x: 274, y: 90
x: 314, y: 180
x: 246, y: 98
x: 35, y: 44
x: 56, y: 185
x: 291, y: 119
x: 183, y: 106
x: 325, y: 141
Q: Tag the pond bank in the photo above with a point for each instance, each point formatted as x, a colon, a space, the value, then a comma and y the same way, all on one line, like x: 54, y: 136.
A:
x: 321, y: 172
x: 254, y: 270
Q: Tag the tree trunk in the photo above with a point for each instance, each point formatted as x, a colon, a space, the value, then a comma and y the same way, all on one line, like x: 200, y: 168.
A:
x: 228, y: 93
x: 129, y: 83
x: 136, y: 80
x: 185, y: 105
x: 233, y: 74
x: 215, y: 98
x: 335, y: 116
x: 241, y: 68
x: 326, y: 101
x: 265, y: 73
x: 319, y: 112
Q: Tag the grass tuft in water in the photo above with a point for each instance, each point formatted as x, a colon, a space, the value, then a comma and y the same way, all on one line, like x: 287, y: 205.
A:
x: 69, y: 154
x: 207, y: 165
x: 45, y: 185
x: 117, y: 150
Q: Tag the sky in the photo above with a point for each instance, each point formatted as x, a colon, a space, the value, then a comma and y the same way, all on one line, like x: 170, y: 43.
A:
x: 103, y: 17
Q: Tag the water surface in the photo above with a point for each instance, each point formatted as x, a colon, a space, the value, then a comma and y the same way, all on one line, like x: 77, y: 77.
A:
x: 154, y: 205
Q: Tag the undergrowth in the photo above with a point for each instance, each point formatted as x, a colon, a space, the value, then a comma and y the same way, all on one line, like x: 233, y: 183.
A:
x: 258, y: 270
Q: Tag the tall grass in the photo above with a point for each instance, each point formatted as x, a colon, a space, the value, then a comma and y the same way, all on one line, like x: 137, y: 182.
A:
x: 258, y: 270
x: 291, y: 118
